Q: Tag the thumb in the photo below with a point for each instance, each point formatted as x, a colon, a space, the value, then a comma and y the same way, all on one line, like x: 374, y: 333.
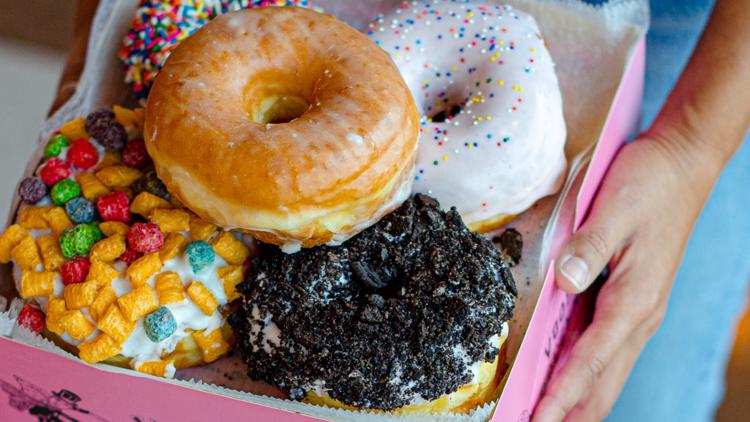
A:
x: 591, y: 248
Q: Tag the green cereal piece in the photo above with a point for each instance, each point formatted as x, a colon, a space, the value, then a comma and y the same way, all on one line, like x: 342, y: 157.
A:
x: 64, y: 191
x: 55, y: 145
x: 78, y: 240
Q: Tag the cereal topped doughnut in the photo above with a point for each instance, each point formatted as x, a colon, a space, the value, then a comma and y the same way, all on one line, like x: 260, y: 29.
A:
x: 109, y: 266
x: 493, y: 133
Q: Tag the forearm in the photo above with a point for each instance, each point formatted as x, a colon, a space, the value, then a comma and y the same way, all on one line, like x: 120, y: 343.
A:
x: 85, y: 10
x: 76, y: 58
x: 709, y: 108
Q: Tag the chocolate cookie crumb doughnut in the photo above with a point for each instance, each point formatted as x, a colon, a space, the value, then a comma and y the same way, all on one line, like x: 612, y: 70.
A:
x: 404, y: 313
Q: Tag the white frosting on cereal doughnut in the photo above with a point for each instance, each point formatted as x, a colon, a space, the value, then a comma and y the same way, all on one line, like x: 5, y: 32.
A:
x: 504, y: 149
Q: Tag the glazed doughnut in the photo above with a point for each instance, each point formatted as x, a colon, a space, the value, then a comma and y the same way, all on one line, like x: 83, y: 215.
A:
x: 410, y: 315
x: 298, y: 130
x: 492, y: 125
x: 123, y: 275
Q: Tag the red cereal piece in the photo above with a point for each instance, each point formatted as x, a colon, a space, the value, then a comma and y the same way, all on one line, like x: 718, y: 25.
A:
x: 75, y: 270
x: 54, y: 170
x: 114, y: 206
x: 135, y: 154
x: 31, y: 318
x: 130, y: 255
x: 82, y: 155
x: 145, y: 237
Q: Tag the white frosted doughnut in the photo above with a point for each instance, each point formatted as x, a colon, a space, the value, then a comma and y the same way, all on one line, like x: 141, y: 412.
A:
x: 504, y: 150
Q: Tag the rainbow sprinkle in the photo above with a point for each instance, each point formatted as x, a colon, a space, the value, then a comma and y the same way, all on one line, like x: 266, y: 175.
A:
x: 160, y: 25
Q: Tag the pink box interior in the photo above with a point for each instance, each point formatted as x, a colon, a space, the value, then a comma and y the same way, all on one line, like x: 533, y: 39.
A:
x: 32, y: 377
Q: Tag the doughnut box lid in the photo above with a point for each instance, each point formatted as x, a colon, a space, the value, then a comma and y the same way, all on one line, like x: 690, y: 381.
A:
x: 602, y: 110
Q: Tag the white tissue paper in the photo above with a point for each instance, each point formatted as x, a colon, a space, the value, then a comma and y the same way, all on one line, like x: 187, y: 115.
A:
x: 590, y: 46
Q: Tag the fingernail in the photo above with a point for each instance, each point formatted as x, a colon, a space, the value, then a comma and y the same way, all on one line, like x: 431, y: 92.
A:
x: 575, y: 270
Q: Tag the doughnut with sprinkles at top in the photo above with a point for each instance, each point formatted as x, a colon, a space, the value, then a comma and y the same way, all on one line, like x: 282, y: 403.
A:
x: 493, y: 133
x: 160, y: 25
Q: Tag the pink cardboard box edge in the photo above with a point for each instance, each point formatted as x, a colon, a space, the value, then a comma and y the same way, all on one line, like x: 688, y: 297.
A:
x: 540, y: 347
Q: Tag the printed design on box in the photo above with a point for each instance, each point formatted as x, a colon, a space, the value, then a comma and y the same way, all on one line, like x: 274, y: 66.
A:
x: 45, y: 405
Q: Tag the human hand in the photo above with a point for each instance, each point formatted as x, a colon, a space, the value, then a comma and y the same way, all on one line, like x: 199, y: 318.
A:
x: 639, y: 223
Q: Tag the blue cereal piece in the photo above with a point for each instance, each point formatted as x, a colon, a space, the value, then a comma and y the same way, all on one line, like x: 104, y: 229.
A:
x: 81, y: 210
x: 160, y: 324
x: 200, y: 255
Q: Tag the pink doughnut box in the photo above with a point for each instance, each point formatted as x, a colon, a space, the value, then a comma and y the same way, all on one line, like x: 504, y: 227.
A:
x: 62, y: 387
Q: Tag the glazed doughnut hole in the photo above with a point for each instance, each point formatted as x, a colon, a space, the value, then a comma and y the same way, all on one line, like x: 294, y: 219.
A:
x: 276, y: 109
x: 279, y: 103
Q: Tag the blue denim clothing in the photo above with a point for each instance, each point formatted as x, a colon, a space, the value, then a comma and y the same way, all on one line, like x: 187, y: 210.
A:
x: 680, y: 375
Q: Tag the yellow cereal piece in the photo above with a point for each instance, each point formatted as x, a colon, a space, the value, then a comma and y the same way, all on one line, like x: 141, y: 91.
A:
x: 51, y: 254
x: 231, y: 276
x: 102, y: 273
x: 202, y: 297
x: 37, y: 283
x: 129, y: 118
x: 91, y: 187
x: 157, y: 368
x: 109, y: 159
x: 200, y: 229
x: 76, y: 324
x: 33, y: 217
x: 143, y: 268
x: 26, y: 254
x: 108, y: 249
x: 80, y: 295
x: 212, y: 344
x: 140, y: 117
x: 146, y: 202
x: 75, y: 129
x: 55, y: 309
x: 115, y: 325
x: 57, y: 220
x: 169, y: 288
x: 110, y: 228
x: 140, y: 302
x: 123, y: 116
x: 11, y: 237
x: 174, y: 245
x: 104, y: 298
x: 228, y: 247
x: 101, y: 348
x: 170, y: 220
x: 118, y: 176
